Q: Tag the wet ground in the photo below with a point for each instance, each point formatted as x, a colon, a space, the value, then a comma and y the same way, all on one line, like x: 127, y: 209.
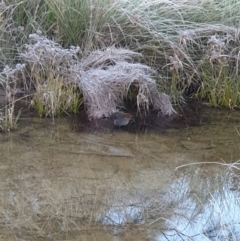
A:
x: 157, y: 179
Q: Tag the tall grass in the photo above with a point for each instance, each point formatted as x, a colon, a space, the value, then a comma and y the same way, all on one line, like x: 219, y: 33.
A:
x: 8, y: 120
x: 8, y: 80
x: 174, y: 37
x: 181, y: 41
x: 221, y: 87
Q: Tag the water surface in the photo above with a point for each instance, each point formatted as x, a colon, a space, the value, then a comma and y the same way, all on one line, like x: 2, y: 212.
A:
x: 158, y: 179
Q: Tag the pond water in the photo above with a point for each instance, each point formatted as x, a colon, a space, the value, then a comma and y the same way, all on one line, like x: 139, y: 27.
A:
x: 157, y: 179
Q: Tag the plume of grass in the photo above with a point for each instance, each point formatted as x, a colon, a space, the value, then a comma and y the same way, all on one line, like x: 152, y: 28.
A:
x: 105, y: 78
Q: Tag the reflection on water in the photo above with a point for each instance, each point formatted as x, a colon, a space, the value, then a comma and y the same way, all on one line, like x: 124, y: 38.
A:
x: 123, y: 215
x: 171, y: 180
x: 207, y: 214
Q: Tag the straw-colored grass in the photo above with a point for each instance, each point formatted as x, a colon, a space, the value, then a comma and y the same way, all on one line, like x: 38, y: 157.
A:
x: 104, y: 78
x: 8, y: 81
x: 8, y: 120
x: 184, y: 42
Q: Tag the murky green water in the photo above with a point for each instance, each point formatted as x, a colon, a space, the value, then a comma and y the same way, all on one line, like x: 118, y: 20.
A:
x: 78, y: 180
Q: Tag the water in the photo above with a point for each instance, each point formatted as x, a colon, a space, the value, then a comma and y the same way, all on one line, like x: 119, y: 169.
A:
x: 170, y: 179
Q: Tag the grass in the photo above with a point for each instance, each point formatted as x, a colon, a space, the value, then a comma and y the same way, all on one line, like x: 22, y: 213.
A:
x: 54, y: 97
x: 8, y: 117
x: 220, y: 87
x: 127, y: 49
x: 185, y: 43
x: 8, y: 120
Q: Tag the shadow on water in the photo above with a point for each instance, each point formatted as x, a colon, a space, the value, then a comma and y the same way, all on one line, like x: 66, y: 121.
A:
x: 157, y: 179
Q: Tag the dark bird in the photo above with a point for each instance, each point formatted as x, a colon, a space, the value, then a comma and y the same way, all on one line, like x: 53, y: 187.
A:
x: 122, y: 119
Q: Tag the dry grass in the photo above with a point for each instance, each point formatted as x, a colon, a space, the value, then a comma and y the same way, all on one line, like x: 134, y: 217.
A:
x: 184, y: 46
x: 185, y: 43
x: 8, y: 80
x: 103, y: 77
x: 8, y: 120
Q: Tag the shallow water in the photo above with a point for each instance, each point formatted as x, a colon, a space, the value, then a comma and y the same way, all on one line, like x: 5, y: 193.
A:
x: 157, y: 179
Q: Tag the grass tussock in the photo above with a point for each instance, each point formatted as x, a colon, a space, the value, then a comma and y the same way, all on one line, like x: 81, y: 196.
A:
x: 55, y: 97
x: 47, y: 65
x: 220, y: 87
x: 103, y: 77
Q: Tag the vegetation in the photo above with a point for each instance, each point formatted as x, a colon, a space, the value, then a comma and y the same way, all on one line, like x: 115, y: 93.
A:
x: 60, y: 54
x: 7, y: 119
x: 191, y: 48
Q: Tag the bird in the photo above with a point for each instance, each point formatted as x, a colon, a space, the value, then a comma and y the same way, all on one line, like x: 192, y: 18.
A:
x: 122, y: 119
